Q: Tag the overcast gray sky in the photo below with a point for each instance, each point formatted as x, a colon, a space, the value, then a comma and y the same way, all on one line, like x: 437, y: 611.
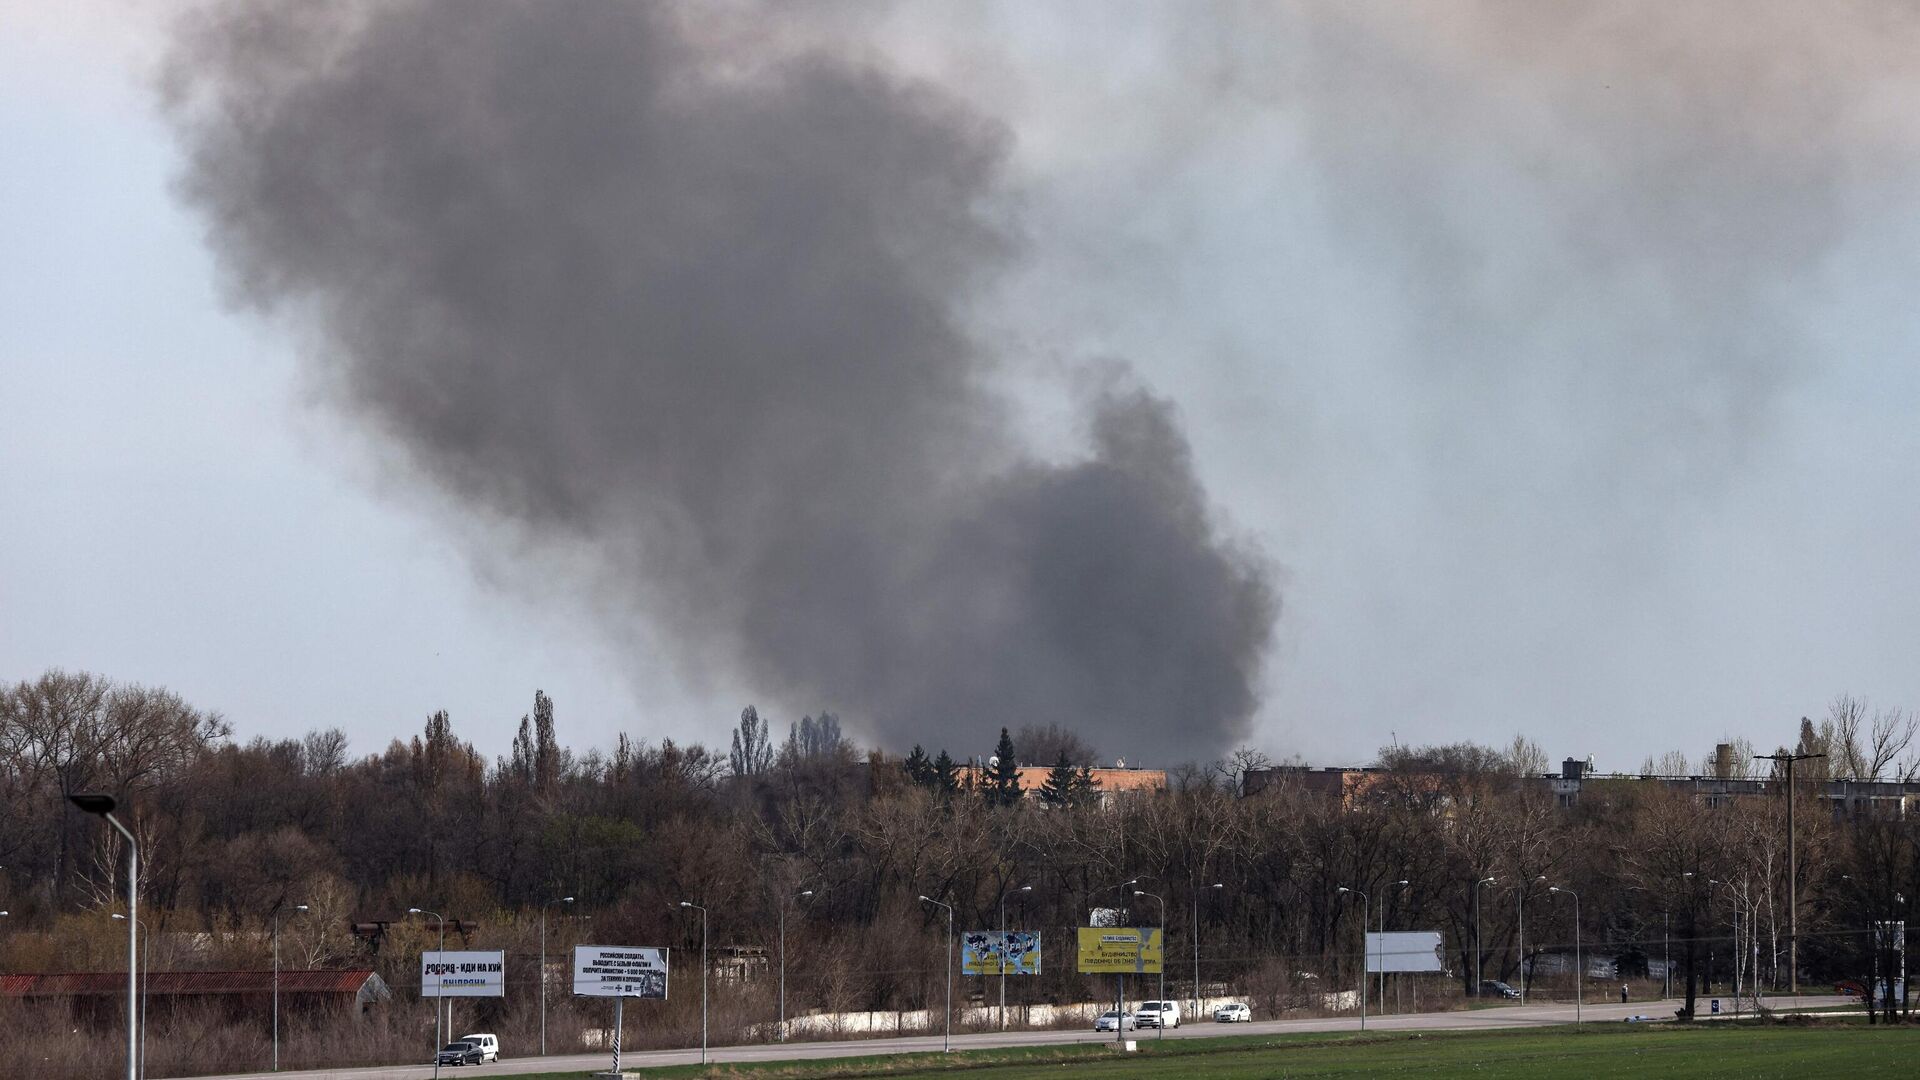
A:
x: 1562, y: 366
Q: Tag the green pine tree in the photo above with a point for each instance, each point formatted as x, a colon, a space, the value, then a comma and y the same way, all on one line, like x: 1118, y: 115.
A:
x: 1003, y: 781
x: 919, y: 768
x: 946, y: 775
x: 1061, y: 783
x: 1086, y: 790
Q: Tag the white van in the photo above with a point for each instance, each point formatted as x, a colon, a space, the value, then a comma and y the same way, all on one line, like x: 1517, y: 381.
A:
x: 489, y: 1046
x: 1153, y: 1014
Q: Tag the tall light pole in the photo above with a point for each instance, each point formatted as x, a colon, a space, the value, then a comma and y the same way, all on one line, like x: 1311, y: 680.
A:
x: 102, y: 806
x: 438, y: 1039
x: 1003, y: 950
x: 801, y: 895
x: 1364, y: 919
x: 703, y: 976
x: 946, y: 1039
x: 1738, y: 960
x: 146, y: 983
x: 543, y: 969
x: 276, y: 982
x: 1478, y: 974
x: 1119, y: 980
x: 1161, y: 1028
x: 1793, y: 866
x: 1579, y: 971
x: 1196, y: 944
x: 1380, y: 951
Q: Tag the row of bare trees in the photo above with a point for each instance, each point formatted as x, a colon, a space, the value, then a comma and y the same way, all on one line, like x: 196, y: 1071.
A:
x: 234, y: 831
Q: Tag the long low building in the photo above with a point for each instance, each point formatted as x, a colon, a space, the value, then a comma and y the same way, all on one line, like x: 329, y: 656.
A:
x: 102, y: 995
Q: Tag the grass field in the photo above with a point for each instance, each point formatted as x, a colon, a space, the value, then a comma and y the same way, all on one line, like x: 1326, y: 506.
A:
x: 1627, y: 1052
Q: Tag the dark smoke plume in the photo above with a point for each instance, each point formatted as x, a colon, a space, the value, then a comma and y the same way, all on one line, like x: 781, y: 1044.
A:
x: 695, y: 309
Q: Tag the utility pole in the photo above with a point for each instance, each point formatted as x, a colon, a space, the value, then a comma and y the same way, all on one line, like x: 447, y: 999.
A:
x: 1793, y: 868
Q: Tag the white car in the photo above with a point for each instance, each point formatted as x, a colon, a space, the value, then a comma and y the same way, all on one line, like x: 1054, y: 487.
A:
x: 488, y: 1044
x: 1153, y: 1014
x: 1113, y: 1020
x: 1234, y: 1012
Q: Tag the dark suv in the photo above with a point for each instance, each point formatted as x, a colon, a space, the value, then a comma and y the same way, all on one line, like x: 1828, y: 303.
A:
x: 459, y: 1053
x: 1496, y: 988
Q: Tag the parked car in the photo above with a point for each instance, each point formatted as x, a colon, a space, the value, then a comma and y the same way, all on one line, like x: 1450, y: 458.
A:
x: 460, y: 1052
x: 1153, y: 1014
x: 1234, y: 1012
x: 1496, y: 988
x: 488, y: 1044
x: 1114, y: 1020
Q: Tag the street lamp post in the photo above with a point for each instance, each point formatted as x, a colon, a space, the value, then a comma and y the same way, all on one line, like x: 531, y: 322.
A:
x: 946, y: 1038
x: 146, y: 984
x: 276, y: 983
x: 1479, y: 975
x: 1196, y: 944
x: 1579, y: 971
x: 543, y: 969
x: 1120, y: 981
x: 439, y: 1040
x: 703, y: 976
x: 102, y: 806
x: 1161, y: 1027
x: 1003, y: 951
x: 1380, y: 999
x: 1364, y: 919
x: 802, y: 895
x: 1738, y: 961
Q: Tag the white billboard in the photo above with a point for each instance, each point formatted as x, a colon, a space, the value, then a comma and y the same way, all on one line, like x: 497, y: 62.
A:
x: 463, y: 974
x: 619, y: 971
x: 1404, y: 950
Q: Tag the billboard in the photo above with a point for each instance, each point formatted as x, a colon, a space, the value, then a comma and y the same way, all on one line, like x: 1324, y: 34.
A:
x: 1404, y: 950
x: 463, y: 974
x: 1000, y: 952
x: 619, y: 971
x: 1114, y: 950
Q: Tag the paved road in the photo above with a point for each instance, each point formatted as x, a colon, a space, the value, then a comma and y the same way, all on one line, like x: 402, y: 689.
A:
x: 1511, y: 1016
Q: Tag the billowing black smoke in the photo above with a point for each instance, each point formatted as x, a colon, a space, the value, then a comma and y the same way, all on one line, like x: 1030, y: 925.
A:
x: 695, y: 309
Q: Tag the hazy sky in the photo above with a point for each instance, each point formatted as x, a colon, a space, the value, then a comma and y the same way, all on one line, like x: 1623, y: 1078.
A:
x: 1562, y: 366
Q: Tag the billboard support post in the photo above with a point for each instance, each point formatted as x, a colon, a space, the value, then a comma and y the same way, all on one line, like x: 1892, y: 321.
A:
x: 619, y: 972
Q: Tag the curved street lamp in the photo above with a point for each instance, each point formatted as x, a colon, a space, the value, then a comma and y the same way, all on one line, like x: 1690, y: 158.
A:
x: 438, y: 1039
x: 1579, y: 970
x: 543, y: 969
x: 946, y: 1039
x: 276, y: 982
x: 703, y: 975
x: 1120, y: 981
x: 102, y: 806
x: 1003, y: 950
x: 801, y: 895
x: 1364, y: 919
x: 1479, y: 975
x: 1161, y: 1027
x: 1196, y: 943
x: 1380, y: 953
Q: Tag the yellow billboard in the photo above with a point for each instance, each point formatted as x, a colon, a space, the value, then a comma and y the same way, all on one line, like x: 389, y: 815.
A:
x: 1120, y: 950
